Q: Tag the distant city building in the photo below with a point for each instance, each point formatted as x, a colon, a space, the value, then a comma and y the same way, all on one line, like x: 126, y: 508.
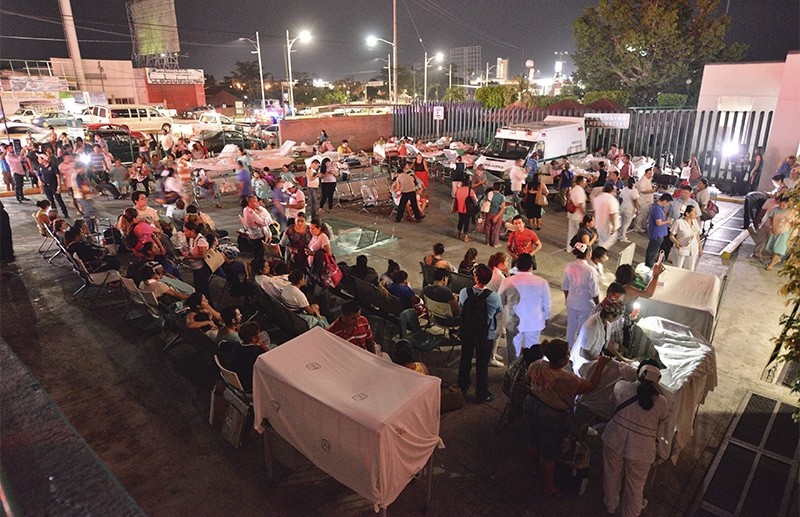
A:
x: 501, y: 71
x: 466, y: 60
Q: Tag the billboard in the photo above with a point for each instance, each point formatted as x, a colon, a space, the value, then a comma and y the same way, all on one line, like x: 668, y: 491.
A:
x: 154, y: 27
x: 607, y: 120
x: 180, y: 76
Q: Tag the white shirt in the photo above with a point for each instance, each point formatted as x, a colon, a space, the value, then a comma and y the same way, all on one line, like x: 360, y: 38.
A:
x: 643, y: 185
x: 527, y: 298
x: 580, y: 281
x: 148, y: 214
x: 517, y: 176
x: 578, y: 197
x: 272, y: 285
x: 497, y: 279
x: 294, y: 199
x: 629, y: 195
x: 703, y: 197
x: 166, y: 142
x: 605, y: 205
x: 686, y: 234
x: 312, y: 181
x: 318, y: 242
x: 592, y: 337
x: 293, y: 298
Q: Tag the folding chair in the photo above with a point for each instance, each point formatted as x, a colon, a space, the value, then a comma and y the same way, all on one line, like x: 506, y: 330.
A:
x: 53, y: 240
x: 428, y: 274
x: 443, y: 317
x: 134, y: 298
x: 99, y: 280
x: 231, y: 380
x: 367, y: 295
x: 458, y: 282
x: 390, y: 304
x: 421, y: 340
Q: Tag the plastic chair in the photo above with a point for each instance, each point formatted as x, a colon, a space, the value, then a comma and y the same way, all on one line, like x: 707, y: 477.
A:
x: 428, y: 273
x: 458, y: 282
x: 442, y: 314
x: 231, y: 380
x: 100, y: 280
x: 421, y: 340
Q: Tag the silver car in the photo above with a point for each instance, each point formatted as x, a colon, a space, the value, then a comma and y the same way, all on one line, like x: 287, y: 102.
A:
x: 55, y: 119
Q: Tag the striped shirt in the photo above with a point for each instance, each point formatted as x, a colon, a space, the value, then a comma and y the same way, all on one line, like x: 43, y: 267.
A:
x: 359, y: 335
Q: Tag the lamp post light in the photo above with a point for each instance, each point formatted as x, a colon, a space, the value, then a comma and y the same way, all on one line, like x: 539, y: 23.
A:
x: 488, y: 68
x: 371, y: 42
x: 304, y: 37
x: 449, y: 75
x: 438, y: 57
x: 388, y: 62
x: 257, y: 44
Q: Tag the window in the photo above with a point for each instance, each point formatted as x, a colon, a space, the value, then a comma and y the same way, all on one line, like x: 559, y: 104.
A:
x: 153, y: 113
x: 144, y: 113
x: 508, y: 149
x: 121, y: 113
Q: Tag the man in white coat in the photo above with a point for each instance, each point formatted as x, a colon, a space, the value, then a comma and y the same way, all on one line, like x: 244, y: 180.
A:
x: 606, y: 215
x: 526, y: 297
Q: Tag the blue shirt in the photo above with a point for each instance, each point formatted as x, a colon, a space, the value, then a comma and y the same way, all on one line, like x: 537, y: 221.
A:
x: 245, y: 186
x: 493, y: 307
x: 655, y: 231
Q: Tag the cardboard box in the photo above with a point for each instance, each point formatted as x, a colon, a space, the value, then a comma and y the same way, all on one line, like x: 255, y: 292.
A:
x: 229, y: 415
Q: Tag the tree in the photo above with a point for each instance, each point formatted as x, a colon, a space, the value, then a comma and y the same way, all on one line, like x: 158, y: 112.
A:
x: 491, y: 96
x: 644, y: 48
x: 454, y: 94
x: 521, y: 91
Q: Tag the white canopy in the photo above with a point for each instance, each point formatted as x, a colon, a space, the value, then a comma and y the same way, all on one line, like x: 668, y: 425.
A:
x: 370, y: 424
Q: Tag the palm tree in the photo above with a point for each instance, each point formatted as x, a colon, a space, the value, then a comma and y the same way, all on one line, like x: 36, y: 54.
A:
x: 521, y: 90
x: 454, y: 94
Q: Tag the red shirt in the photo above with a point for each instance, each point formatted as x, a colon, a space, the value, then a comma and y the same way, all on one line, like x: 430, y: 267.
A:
x: 359, y: 335
x: 523, y: 242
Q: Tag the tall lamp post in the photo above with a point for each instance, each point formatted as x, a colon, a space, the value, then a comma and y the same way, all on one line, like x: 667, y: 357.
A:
x: 388, y: 62
x: 449, y: 75
x: 488, y: 68
x: 304, y: 37
x: 257, y: 44
x: 371, y: 42
x: 438, y: 57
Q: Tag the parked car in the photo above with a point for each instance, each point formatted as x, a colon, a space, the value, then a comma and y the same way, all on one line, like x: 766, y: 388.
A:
x: 55, y: 119
x: 195, y: 112
x: 23, y: 115
x: 213, y: 121
x: 122, y: 143
x: 18, y: 131
x: 214, y: 141
x: 137, y: 117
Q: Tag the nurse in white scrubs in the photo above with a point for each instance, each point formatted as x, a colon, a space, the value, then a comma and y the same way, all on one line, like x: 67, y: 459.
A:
x: 629, y: 439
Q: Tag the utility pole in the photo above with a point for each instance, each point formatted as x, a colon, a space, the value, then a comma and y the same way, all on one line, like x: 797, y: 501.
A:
x: 72, y: 42
x: 394, y: 48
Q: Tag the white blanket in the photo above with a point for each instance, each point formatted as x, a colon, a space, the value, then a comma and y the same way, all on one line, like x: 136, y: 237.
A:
x: 370, y: 424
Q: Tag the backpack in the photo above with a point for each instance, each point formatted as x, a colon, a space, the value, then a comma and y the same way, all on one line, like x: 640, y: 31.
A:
x: 474, y: 321
x: 471, y: 205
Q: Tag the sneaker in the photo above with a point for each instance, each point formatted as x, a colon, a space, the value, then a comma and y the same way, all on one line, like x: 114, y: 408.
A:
x: 484, y: 398
x: 591, y: 432
x: 625, y: 241
x: 495, y: 363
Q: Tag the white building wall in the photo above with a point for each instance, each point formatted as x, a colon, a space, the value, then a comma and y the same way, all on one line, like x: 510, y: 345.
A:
x: 784, y: 138
x: 740, y: 87
x: 117, y: 81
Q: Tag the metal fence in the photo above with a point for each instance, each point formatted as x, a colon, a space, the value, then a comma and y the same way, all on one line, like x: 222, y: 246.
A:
x: 723, y: 141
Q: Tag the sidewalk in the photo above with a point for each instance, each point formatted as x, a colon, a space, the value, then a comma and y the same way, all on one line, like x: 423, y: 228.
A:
x: 146, y: 414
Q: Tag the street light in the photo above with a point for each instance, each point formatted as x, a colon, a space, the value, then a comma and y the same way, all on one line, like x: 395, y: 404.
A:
x: 257, y: 44
x: 438, y: 57
x: 304, y: 37
x: 449, y: 75
x: 371, y: 42
x: 488, y: 68
x: 388, y: 62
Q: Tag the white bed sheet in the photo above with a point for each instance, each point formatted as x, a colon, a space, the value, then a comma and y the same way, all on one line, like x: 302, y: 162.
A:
x: 370, y: 424
x: 690, y: 374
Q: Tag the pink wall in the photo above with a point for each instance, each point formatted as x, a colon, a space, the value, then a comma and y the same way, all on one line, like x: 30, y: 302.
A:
x: 360, y: 130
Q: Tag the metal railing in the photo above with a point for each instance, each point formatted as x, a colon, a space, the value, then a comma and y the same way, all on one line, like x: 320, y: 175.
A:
x: 723, y: 141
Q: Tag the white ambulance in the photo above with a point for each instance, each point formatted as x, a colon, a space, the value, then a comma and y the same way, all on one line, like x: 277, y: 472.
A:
x: 554, y: 137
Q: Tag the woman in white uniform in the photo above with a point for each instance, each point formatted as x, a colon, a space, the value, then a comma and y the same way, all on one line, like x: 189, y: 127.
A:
x: 581, y: 291
x: 685, y: 237
x: 629, y: 439
x: 594, y: 335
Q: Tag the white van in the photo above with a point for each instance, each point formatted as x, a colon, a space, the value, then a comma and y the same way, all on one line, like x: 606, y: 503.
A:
x: 137, y: 117
x: 554, y: 137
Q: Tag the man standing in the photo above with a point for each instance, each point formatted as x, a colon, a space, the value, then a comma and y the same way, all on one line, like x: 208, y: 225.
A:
x: 406, y: 185
x: 527, y: 300
x: 522, y: 240
x: 517, y: 175
x: 296, y: 202
x: 312, y: 183
x: 646, y: 191
x: 479, y: 308
x: 166, y: 142
x: 82, y: 192
x: 577, y: 197
x: 245, y: 184
x: 676, y: 211
x: 14, y: 161
x: 51, y: 184
x: 626, y: 171
x: 606, y: 215
x: 657, y: 228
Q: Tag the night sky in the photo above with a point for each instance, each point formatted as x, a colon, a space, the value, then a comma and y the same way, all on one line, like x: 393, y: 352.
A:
x: 208, y: 30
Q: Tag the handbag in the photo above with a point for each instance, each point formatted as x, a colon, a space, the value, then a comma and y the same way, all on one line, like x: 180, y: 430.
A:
x: 471, y: 205
x: 214, y: 259
x: 541, y: 198
x: 486, y: 204
x: 332, y: 274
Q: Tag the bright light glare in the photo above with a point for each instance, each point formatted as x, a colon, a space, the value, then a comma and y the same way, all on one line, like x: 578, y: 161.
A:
x: 85, y: 159
x: 637, y: 306
x: 439, y: 56
x: 304, y: 36
x: 730, y: 148
x: 372, y: 41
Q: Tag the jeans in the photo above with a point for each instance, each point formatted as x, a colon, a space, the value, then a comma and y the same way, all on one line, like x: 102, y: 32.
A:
x: 463, y: 223
x: 313, y: 201
x: 53, y: 195
x: 666, y: 247
x: 202, y: 280
x: 481, y: 349
x: 328, y: 189
x: 19, y: 186
x: 87, y: 207
x: 653, y: 247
